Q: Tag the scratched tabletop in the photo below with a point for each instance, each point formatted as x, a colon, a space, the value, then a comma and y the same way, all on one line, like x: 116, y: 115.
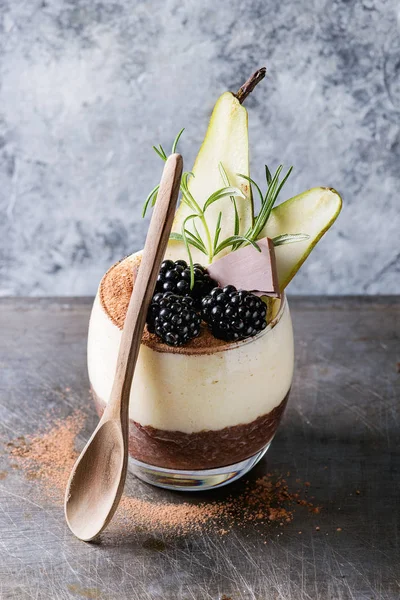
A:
x: 341, y: 433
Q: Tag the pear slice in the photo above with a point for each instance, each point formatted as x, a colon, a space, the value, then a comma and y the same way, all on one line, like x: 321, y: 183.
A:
x: 226, y: 142
x: 272, y: 305
x: 312, y: 212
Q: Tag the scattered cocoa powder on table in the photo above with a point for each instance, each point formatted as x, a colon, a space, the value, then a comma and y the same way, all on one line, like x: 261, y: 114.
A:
x: 48, y: 457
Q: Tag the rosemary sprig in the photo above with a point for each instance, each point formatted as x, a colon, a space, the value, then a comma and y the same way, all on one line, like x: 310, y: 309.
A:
x: 289, y: 238
x: 193, y: 240
x: 199, y: 212
x: 151, y: 199
x: 217, y: 232
x: 227, y: 183
x: 160, y: 151
x: 267, y: 201
x: 233, y: 239
x: 187, y: 246
x: 176, y: 140
x: 211, y: 246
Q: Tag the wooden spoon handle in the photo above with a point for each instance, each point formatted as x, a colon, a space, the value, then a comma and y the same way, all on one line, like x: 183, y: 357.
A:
x: 135, y: 319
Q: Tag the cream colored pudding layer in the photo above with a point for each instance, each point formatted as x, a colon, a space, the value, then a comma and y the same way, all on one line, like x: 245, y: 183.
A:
x: 207, y: 390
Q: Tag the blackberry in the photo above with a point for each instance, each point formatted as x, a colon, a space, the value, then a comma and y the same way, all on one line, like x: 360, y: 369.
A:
x: 175, y: 277
x: 233, y: 314
x: 173, y: 318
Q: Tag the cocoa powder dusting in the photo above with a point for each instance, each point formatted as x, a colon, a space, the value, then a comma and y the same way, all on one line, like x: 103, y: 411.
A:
x: 116, y: 289
x: 48, y: 458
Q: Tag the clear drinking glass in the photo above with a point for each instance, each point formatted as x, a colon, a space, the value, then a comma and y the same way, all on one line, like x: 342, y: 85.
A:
x: 199, y: 417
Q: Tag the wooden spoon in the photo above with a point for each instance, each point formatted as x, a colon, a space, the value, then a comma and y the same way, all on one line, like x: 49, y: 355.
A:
x: 97, y: 480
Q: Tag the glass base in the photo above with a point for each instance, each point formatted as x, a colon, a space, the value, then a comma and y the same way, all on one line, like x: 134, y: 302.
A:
x: 191, y: 481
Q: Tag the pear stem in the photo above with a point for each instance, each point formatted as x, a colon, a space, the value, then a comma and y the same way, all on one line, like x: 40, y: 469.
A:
x: 250, y: 84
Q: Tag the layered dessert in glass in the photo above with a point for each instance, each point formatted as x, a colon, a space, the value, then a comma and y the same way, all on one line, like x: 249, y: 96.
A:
x: 201, y: 406
x: 215, y: 366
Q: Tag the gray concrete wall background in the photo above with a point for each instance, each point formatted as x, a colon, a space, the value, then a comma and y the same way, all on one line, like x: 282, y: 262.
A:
x: 87, y: 87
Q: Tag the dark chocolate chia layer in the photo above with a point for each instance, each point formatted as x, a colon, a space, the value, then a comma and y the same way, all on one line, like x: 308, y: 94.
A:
x: 206, y: 449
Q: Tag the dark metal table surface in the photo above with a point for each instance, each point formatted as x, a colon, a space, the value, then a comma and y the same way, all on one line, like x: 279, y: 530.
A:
x: 341, y: 432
